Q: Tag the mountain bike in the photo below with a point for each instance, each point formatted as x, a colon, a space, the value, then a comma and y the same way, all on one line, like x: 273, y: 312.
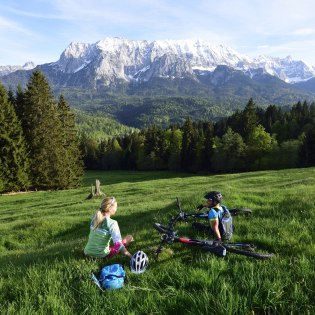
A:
x: 169, y: 235
x: 204, y: 215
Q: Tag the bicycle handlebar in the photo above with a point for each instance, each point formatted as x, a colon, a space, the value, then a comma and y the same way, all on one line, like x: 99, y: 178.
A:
x: 169, y: 235
x: 181, y: 216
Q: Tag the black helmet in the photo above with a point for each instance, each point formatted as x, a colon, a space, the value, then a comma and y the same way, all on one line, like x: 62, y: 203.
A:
x: 214, y: 196
x: 139, y: 262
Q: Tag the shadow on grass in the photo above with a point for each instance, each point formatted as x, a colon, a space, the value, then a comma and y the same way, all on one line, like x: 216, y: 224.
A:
x: 69, y: 243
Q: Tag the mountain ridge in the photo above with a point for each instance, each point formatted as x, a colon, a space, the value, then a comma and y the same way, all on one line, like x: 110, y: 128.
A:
x: 141, y: 82
x: 115, y: 58
x: 4, y: 70
x: 139, y: 59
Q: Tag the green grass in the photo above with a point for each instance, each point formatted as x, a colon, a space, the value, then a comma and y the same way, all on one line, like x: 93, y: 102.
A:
x: 43, y: 271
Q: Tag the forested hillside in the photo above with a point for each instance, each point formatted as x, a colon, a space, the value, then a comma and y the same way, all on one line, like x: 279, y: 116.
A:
x: 251, y: 139
x: 165, y: 101
x: 98, y: 126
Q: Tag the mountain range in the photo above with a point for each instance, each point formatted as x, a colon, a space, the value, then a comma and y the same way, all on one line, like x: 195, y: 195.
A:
x: 4, y: 70
x: 116, y: 67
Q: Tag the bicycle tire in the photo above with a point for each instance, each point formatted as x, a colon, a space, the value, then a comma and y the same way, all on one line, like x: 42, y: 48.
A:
x: 237, y: 211
x: 242, y: 246
x: 248, y: 253
x: 161, y: 228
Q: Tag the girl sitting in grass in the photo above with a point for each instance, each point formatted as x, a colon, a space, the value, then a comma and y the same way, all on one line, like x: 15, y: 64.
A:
x: 102, y: 229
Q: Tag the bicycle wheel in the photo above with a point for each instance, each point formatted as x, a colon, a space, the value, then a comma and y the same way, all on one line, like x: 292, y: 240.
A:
x: 162, y: 228
x: 242, y: 246
x: 238, y: 211
x: 248, y: 253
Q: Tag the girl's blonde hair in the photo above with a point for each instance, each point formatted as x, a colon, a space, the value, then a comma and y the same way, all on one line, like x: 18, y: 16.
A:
x: 104, y: 208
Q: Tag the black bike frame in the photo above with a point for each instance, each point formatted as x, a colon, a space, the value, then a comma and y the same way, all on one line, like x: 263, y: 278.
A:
x: 169, y: 236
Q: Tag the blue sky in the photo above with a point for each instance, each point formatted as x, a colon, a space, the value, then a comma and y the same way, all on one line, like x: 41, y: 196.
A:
x: 39, y: 30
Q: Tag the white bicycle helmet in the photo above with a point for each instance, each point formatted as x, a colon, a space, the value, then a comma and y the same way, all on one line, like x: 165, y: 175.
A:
x: 139, y: 262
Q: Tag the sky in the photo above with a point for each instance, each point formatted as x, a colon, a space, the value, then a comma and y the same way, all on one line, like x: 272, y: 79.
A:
x: 40, y: 30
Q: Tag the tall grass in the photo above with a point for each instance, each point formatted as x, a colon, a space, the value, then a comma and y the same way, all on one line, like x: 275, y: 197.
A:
x: 43, y: 270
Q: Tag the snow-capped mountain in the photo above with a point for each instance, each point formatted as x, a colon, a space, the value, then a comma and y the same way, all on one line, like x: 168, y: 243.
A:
x: 112, y: 59
x: 9, y: 69
x: 128, y: 60
x: 173, y: 68
x: 193, y: 78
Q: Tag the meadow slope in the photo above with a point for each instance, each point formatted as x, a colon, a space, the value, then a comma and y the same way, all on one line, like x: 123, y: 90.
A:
x: 43, y: 271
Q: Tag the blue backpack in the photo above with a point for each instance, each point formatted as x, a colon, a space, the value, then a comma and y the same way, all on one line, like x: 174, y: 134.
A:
x: 112, y: 277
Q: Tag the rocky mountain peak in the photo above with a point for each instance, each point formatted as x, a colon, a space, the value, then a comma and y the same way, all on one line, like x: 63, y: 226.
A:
x: 124, y: 59
x: 114, y: 58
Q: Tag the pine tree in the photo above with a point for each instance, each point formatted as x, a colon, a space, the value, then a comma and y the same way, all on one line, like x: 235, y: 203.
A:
x: 19, y: 104
x: 134, y: 151
x: 199, y: 150
x: 11, y: 97
x: 249, y: 121
x: 115, y: 154
x: 72, y: 168
x: 208, y: 146
x: 90, y: 151
x: 272, y: 114
x: 154, y: 148
x: 307, y: 149
x: 13, y: 153
x: 188, y: 155
x: 42, y: 129
x: 175, y: 148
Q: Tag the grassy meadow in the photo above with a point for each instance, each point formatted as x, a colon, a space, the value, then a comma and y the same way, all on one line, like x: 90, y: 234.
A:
x: 43, y: 271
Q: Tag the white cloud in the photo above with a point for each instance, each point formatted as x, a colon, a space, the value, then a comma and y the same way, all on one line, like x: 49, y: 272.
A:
x: 304, y: 32
x: 10, y: 26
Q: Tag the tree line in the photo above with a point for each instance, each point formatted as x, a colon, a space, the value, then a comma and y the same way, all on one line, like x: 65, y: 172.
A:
x: 39, y: 145
x: 251, y: 139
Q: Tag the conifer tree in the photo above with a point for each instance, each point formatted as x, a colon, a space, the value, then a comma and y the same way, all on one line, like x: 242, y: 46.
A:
x: 307, y: 149
x: 208, y: 146
x: 249, y: 121
x: 271, y: 115
x: 115, y: 154
x: 175, y: 148
x: 42, y: 129
x: 128, y: 154
x: 19, y: 103
x: 90, y: 151
x: 188, y: 146
x: 14, y: 161
x: 72, y: 168
x: 199, y: 150
x: 102, y: 155
x: 154, y: 148
x: 135, y: 151
x: 11, y: 97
